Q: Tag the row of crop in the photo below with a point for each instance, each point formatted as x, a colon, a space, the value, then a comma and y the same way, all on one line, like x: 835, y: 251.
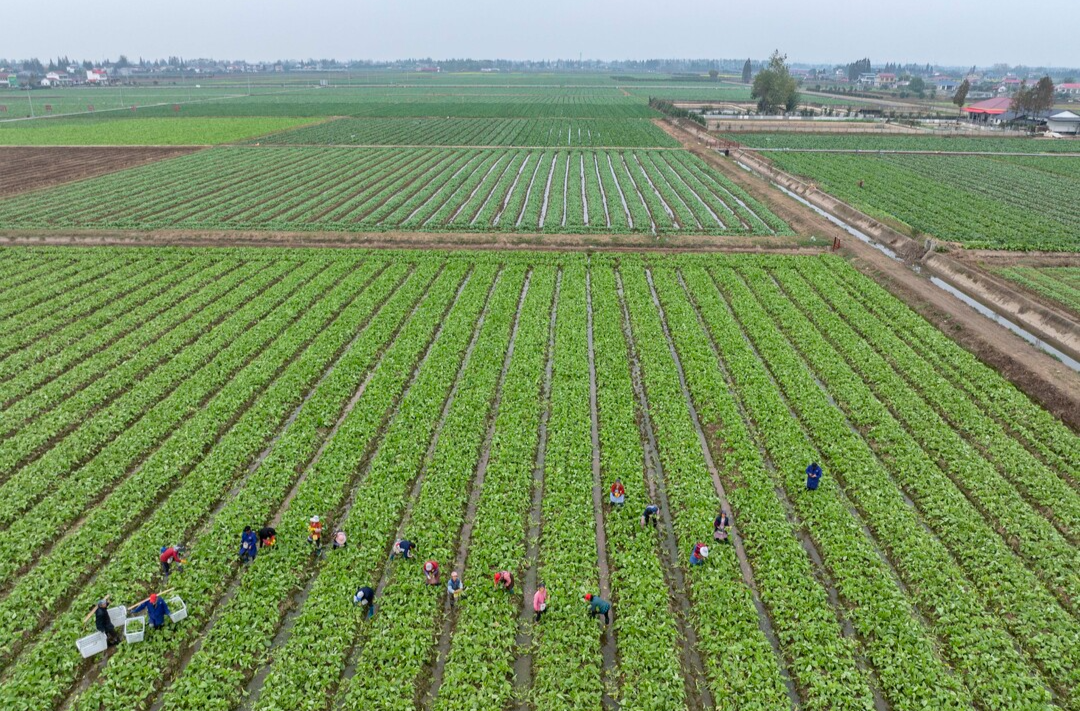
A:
x: 879, y: 609
x: 806, y: 625
x: 46, y: 304
x: 30, y: 326
x: 224, y: 436
x: 76, y: 444
x: 21, y: 270
x: 1013, y: 597
x: 109, y: 524
x: 420, y: 203
x: 1019, y: 186
x: 872, y: 143
x: 389, y: 672
x: 307, y: 668
x: 326, y: 189
x: 311, y: 189
x: 71, y: 497
x: 886, y: 618
x: 1042, y: 283
x: 47, y: 286
x: 1055, y: 442
x: 204, y: 488
x: 739, y: 661
x: 895, y: 192
x: 477, y: 132
x: 1050, y: 555
x: 566, y: 659
x: 342, y: 359
x: 29, y: 367
x: 651, y: 675
x: 97, y: 373
x: 1049, y: 494
x: 479, y: 664
x: 354, y: 404
x: 556, y: 195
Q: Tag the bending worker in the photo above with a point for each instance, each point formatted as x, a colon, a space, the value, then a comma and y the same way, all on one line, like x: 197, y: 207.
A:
x: 365, y: 597
x: 169, y: 555
x: 504, y: 580
x: 651, y: 515
x: 699, y: 554
x: 431, y: 572
x: 618, y: 493
x: 267, y: 537
x: 598, y: 606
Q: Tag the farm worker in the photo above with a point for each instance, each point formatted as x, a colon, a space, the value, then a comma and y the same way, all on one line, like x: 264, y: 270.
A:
x: 339, y: 540
x: 699, y: 554
x: 813, y: 476
x: 431, y: 572
x: 314, y: 531
x: 167, y: 557
x: 598, y: 606
x: 104, y: 624
x: 540, y: 601
x: 505, y: 579
x: 618, y: 493
x: 651, y: 515
x: 402, y: 547
x: 454, y: 587
x: 267, y: 537
x: 248, y: 545
x: 365, y: 597
x: 721, y: 526
x: 860, y: 183
x: 156, y: 610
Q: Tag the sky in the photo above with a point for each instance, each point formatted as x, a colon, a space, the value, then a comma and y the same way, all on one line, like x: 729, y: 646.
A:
x: 953, y: 32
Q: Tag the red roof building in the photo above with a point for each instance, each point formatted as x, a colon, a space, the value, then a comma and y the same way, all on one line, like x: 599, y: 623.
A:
x: 993, y: 107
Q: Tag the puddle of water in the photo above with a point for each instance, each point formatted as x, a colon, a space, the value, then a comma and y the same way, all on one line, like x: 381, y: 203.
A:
x: 994, y: 316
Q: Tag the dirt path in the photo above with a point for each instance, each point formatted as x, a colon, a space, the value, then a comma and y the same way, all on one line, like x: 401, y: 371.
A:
x: 1042, y: 377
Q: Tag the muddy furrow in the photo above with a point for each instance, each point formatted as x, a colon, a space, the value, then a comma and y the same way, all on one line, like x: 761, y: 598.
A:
x: 608, y: 649
x: 523, y: 663
x: 696, y: 682
x: 178, y: 669
x: 387, y: 570
x: 465, y: 537
x: 255, y: 685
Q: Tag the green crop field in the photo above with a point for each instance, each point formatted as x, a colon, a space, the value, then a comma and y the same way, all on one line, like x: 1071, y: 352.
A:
x: 140, y: 131
x: 1059, y: 285
x: 477, y: 404
x: 871, y: 143
x: 991, y: 202
x: 422, y: 189
x: 612, y: 133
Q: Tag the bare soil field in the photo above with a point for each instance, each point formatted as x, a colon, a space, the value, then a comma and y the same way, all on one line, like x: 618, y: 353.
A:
x: 24, y: 168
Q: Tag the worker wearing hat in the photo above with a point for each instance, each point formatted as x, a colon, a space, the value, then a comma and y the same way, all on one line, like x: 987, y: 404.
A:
x: 699, y: 554
x: 598, y: 606
x: 156, y: 610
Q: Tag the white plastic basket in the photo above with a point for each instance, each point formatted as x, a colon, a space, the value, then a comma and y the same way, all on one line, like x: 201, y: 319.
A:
x: 134, y: 629
x: 92, y: 644
x: 177, y: 608
x: 117, y: 615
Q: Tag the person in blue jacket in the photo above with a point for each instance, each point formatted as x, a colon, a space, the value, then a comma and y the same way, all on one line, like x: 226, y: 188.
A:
x: 248, y: 545
x: 813, y: 476
x: 156, y: 610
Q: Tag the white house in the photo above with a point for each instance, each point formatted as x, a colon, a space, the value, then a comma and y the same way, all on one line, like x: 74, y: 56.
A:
x: 1064, y: 122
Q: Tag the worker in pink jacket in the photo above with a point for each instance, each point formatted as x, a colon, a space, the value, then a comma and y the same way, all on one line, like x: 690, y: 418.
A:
x: 540, y: 601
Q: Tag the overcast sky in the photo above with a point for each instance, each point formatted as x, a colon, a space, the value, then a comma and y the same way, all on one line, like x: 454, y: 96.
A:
x: 951, y: 32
